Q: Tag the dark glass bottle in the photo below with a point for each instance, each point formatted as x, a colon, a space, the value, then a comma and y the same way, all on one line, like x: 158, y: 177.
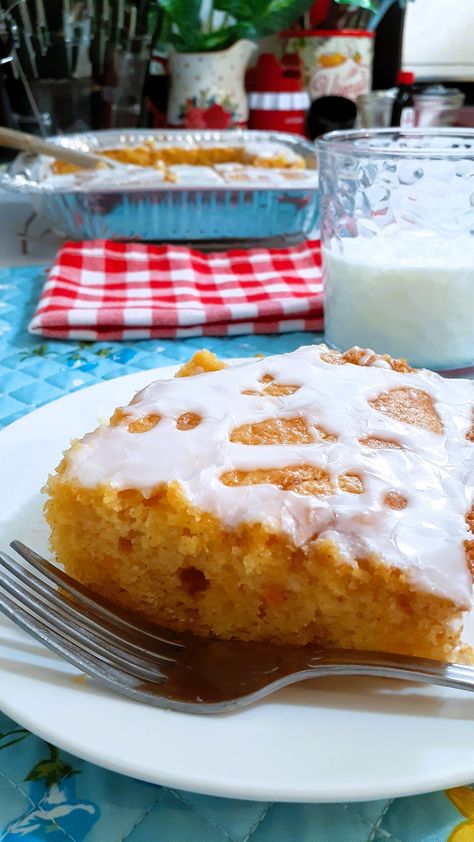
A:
x: 403, y: 111
x: 388, y: 48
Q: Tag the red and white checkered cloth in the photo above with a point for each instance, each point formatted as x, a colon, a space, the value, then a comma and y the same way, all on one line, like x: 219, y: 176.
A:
x: 108, y: 290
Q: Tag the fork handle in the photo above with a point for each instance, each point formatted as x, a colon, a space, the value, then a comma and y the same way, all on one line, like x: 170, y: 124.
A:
x: 403, y: 667
x: 32, y: 143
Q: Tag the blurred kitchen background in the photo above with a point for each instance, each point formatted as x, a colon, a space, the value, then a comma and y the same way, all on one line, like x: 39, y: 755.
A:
x: 71, y: 65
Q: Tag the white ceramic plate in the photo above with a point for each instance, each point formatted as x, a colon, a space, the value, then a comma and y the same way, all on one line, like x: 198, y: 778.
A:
x: 327, y: 740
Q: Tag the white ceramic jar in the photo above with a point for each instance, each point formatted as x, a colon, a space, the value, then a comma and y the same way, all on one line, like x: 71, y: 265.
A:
x: 207, y: 89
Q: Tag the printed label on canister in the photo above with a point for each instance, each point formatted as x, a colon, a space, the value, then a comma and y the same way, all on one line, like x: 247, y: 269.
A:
x: 335, y: 64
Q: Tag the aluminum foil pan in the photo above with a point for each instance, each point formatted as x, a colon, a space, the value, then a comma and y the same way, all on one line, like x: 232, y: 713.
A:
x: 147, y: 209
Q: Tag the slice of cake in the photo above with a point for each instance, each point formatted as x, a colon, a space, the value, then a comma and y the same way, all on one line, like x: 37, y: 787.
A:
x: 310, y: 497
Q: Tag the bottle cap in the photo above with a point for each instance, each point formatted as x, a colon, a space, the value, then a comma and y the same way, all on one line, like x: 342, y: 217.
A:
x: 405, y: 77
x: 330, y: 113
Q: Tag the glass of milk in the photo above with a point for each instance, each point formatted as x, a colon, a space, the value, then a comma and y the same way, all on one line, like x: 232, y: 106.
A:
x: 397, y: 229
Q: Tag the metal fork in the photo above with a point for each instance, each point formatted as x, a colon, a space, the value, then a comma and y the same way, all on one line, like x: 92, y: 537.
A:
x: 175, y: 670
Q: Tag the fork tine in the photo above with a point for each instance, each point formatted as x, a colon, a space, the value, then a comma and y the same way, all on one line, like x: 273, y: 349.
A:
x: 86, y: 596
x: 57, y: 616
x: 135, y: 645
x: 87, y: 663
x: 119, y: 681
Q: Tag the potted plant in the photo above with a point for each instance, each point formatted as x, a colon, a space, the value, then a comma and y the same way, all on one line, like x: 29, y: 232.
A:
x: 210, y: 53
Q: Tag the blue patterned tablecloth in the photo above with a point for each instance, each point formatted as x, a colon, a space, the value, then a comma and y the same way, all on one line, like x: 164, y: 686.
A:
x: 46, y: 794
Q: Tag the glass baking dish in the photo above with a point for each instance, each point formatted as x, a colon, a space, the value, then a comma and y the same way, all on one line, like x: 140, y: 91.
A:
x: 153, y: 210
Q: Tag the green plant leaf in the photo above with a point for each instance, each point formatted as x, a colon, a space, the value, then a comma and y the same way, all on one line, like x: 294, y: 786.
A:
x: 186, y: 20
x: 12, y: 742
x: 239, y: 9
x: 249, y: 19
x: 18, y: 734
x: 53, y: 770
x: 219, y: 39
x: 13, y: 731
x: 255, y: 18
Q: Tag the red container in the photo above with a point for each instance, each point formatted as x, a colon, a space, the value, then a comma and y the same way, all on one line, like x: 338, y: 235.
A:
x: 276, y: 99
x: 279, y: 112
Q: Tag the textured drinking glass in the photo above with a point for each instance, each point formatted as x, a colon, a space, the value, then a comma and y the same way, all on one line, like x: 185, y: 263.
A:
x: 397, y: 228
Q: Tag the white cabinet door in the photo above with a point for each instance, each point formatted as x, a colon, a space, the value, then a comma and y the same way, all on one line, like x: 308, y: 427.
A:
x: 439, y: 39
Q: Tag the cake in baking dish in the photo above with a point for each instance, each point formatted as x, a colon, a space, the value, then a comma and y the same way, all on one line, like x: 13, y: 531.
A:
x: 260, y: 154
x: 309, y: 497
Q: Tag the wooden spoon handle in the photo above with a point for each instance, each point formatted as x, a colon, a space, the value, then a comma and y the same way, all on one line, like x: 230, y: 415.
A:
x: 32, y: 143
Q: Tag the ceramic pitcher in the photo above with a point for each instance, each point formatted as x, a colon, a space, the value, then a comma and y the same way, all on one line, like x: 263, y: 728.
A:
x: 207, y: 89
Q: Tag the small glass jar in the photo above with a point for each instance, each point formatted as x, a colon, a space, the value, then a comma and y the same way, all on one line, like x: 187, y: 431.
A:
x: 397, y: 230
x: 437, y: 106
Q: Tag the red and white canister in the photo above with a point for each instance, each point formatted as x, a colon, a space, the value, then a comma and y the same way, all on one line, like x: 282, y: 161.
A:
x: 277, y: 101
x: 335, y: 62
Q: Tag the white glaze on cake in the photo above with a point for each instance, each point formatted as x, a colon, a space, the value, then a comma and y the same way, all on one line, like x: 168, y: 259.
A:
x: 184, y: 174
x: 434, y: 471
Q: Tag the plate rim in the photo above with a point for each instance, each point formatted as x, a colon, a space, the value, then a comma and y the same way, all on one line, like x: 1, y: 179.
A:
x: 309, y: 792
x: 220, y: 789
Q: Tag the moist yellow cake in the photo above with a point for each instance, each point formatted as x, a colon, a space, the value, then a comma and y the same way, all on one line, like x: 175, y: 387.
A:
x: 149, y: 155
x: 310, y: 497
